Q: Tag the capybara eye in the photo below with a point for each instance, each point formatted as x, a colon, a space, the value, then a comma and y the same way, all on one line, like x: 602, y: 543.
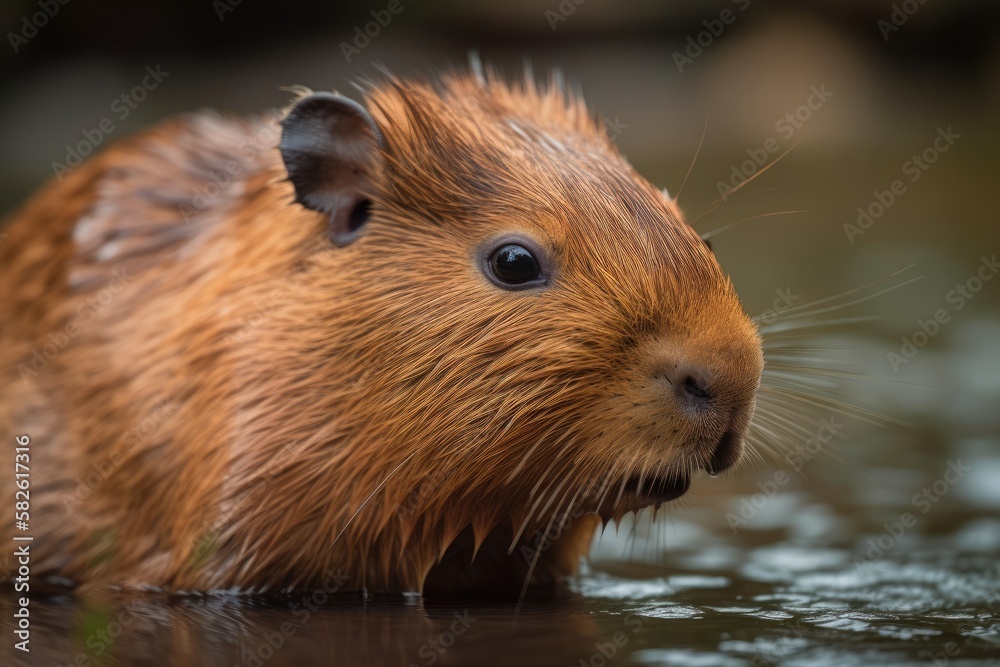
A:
x: 514, y: 265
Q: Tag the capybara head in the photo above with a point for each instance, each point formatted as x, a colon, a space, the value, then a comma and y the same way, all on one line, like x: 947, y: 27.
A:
x: 505, y: 333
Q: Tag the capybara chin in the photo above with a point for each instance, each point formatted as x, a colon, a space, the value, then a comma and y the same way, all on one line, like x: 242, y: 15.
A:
x: 427, y: 342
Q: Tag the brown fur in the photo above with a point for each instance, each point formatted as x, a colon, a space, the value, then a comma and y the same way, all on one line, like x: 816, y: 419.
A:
x: 267, y: 408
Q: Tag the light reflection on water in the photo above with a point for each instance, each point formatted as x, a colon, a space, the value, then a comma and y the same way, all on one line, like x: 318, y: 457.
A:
x: 774, y: 610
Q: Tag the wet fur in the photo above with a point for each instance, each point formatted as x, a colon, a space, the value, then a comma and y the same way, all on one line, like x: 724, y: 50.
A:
x: 369, y: 409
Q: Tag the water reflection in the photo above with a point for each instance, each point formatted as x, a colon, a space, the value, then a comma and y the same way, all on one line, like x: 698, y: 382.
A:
x: 786, y: 603
x: 228, y: 630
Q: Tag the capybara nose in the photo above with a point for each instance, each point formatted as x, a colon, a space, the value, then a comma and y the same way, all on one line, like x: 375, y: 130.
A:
x: 710, y: 408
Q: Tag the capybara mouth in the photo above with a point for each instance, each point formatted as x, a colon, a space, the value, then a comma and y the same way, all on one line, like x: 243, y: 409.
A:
x: 651, y: 490
x: 726, y: 453
x: 642, y: 491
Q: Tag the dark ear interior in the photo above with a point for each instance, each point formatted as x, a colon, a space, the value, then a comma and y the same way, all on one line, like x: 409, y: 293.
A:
x: 329, y: 144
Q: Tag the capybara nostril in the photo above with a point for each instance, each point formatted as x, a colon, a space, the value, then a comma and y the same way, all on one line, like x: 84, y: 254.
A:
x: 691, y: 386
x: 694, y: 390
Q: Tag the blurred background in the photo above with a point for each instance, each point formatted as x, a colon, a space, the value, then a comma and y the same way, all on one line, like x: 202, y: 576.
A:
x: 657, y: 72
x: 884, y: 116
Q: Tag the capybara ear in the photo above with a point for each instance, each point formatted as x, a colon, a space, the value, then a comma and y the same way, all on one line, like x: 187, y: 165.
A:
x: 329, y: 144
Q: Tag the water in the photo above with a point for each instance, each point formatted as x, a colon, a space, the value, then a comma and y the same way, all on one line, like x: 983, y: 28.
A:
x: 787, y: 603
